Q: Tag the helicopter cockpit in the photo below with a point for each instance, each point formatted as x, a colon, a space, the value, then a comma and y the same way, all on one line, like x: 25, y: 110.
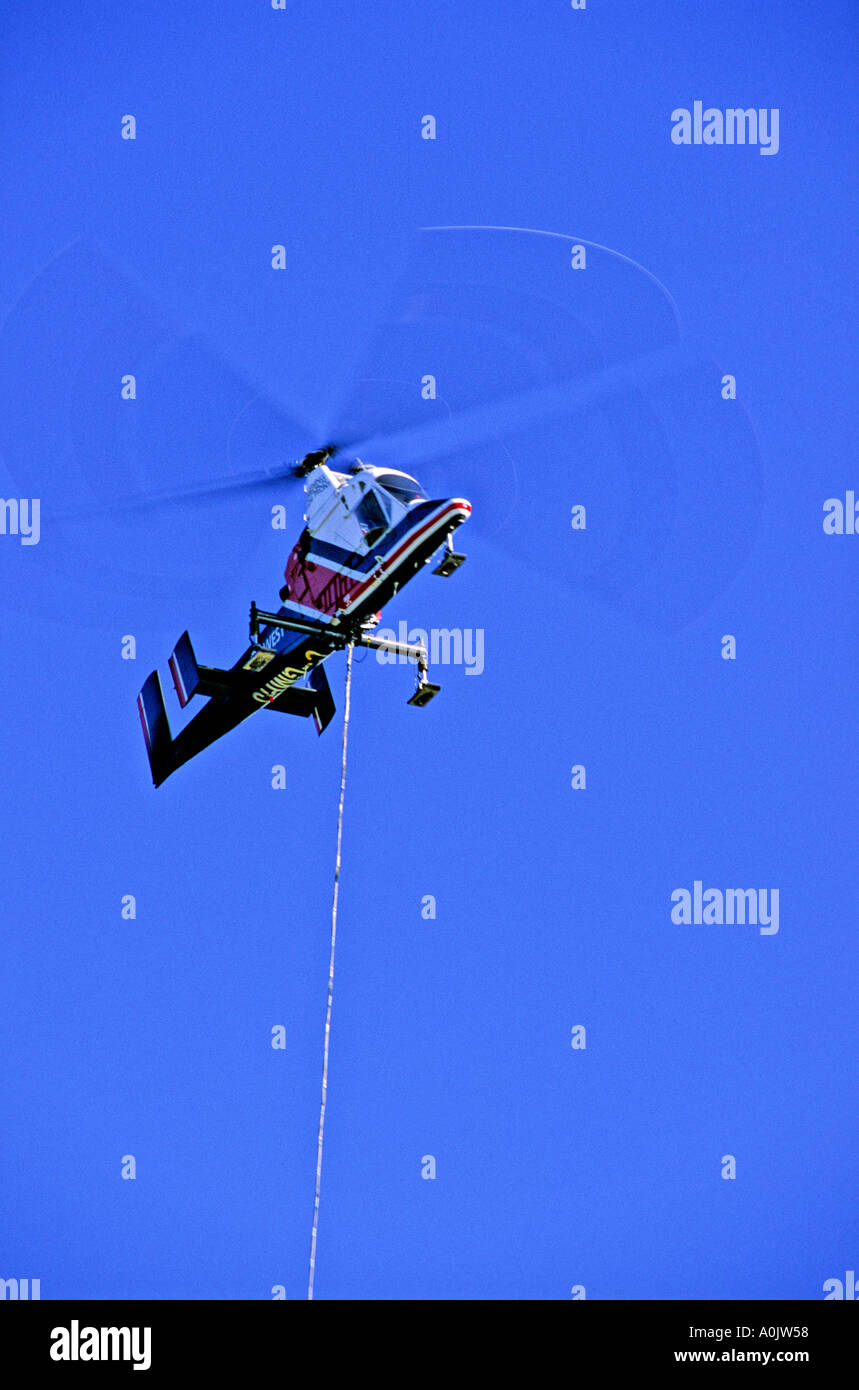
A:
x: 401, y: 486
x: 385, y: 500
x: 354, y: 510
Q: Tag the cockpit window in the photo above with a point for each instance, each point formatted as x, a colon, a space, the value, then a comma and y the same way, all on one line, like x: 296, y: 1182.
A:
x: 404, y: 489
x: 371, y: 517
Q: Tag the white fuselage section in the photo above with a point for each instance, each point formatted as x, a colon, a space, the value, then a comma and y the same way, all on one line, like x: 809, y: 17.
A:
x: 348, y: 509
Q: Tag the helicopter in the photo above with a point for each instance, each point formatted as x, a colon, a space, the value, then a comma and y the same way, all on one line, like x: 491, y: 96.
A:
x: 368, y: 530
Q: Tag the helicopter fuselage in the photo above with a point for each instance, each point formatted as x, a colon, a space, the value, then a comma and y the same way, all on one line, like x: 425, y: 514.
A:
x: 367, y: 533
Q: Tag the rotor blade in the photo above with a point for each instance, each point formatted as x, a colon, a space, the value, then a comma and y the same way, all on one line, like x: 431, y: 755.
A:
x: 215, y: 488
x: 203, y: 492
x: 484, y: 314
x: 534, y: 372
x: 490, y: 329
x: 103, y: 401
x: 457, y: 432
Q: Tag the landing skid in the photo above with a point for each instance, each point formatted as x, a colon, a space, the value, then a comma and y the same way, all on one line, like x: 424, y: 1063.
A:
x: 425, y: 692
x: 450, y: 561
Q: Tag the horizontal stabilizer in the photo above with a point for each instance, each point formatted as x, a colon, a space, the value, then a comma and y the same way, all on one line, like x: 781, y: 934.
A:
x: 294, y: 700
x: 316, y: 700
x: 156, y: 728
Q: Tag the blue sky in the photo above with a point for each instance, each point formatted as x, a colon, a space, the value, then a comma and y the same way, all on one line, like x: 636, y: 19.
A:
x: 451, y: 1037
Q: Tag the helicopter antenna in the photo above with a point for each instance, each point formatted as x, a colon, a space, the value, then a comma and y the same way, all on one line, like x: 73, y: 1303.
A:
x: 325, y: 1051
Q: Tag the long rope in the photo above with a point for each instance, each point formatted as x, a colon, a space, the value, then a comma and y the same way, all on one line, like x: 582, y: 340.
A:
x: 330, y: 981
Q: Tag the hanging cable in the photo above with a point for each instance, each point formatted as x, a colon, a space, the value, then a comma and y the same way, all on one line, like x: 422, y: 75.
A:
x: 330, y: 980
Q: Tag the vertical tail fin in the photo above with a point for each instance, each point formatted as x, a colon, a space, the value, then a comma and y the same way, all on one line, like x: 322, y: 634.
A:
x: 184, y: 669
x: 324, y: 709
x: 156, y: 728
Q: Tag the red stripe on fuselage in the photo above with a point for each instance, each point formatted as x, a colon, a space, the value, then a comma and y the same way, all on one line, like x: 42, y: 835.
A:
x: 331, y: 591
x: 404, y: 546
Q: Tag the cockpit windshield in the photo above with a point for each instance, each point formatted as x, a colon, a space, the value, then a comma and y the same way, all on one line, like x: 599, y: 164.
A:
x: 370, y: 516
x: 403, y: 488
